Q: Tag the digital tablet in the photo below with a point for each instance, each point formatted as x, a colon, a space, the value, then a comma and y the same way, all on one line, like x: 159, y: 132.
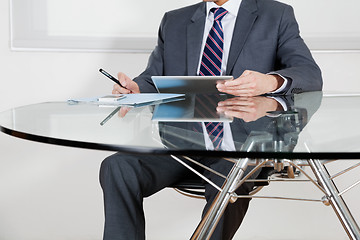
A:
x: 188, y: 84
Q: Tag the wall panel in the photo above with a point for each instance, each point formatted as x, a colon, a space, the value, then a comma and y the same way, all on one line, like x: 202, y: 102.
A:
x: 131, y: 26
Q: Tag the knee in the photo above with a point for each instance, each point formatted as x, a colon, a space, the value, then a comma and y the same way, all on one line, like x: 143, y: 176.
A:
x: 116, y: 167
x: 110, y: 161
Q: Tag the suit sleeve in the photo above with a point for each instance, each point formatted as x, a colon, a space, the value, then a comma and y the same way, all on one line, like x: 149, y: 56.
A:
x: 155, y: 64
x: 294, y: 57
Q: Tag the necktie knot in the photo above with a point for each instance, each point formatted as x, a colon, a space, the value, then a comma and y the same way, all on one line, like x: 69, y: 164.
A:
x: 219, y: 13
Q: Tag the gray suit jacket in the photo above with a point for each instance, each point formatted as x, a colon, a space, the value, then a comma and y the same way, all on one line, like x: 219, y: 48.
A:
x: 265, y: 39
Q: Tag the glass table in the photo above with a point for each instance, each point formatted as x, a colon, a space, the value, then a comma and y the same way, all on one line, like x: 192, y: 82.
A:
x: 281, y: 132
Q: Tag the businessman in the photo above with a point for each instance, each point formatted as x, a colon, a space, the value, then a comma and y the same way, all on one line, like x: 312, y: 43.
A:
x: 255, y: 41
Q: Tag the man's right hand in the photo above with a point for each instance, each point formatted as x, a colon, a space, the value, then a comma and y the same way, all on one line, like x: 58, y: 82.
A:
x: 129, y: 85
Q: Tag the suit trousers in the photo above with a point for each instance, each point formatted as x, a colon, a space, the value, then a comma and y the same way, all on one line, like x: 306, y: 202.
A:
x: 127, y: 179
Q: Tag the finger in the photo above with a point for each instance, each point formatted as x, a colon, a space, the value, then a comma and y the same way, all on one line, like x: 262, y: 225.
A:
x: 235, y: 114
x: 238, y: 101
x: 240, y: 106
x: 241, y: 82
x: 243, y: 87
x: 123, y: 111
x: 238, y: 82
x: 241, y: 92
x: 225, y: 89
x: 238, y: 87
x: 119, y: 90
x: 235, y: 82
x: 244, y: 109
x: 116, y: 89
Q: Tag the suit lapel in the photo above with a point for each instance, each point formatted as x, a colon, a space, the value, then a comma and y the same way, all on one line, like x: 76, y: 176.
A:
x: 194, y: 36
x: 244, y: 23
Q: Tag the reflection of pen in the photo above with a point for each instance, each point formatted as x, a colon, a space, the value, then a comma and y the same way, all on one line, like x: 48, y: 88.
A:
x: 110, y: 116
x: 111, y: 77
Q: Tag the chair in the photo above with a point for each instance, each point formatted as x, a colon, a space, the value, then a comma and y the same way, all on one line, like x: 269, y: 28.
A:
x: 193, y: 185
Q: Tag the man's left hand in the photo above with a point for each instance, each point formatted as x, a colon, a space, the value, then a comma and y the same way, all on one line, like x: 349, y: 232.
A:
x: 251, y: 83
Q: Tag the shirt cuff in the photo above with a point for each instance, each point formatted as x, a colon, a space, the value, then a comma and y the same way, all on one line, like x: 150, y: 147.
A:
x: 282, y: 87
x: 281, y: 102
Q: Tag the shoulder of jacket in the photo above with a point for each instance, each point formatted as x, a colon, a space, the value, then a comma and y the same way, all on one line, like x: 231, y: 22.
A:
x: 188, y: 10
x: 271, y: 4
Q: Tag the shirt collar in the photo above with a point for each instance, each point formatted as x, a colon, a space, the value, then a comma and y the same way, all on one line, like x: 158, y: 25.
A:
x: 232, y: 6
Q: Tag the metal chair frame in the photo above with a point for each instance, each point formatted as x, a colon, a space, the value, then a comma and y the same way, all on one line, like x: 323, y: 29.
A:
x: 323, y: 182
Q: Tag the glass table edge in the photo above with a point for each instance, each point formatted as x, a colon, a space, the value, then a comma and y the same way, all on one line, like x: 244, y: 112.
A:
x: 180, y: 152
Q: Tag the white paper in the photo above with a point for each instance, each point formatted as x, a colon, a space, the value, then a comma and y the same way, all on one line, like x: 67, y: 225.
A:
x: 132, y: 99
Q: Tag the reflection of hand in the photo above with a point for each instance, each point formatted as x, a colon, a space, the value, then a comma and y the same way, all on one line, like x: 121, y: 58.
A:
x: 247, y: 108
x: 123, y: 111
x: 129, y: 85
x: 251, y: 83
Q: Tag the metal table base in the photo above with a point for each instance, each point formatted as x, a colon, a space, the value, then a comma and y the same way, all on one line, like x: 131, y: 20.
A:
x: 236, y: 177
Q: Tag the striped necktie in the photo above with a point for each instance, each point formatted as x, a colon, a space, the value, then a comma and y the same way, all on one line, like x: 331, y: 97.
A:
x: 213, y: 51
x: 211, y: 66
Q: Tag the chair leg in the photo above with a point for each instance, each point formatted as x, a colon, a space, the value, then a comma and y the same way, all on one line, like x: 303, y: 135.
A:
x: 213, y: 215
x: 336, y: 201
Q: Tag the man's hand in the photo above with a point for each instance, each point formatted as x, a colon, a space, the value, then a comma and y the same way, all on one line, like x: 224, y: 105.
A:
x: 247, y: 108
x: 129, y: 85
x: 251, y: 83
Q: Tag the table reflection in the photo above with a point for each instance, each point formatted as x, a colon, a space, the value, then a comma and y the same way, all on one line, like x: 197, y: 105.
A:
x: 264, y: 123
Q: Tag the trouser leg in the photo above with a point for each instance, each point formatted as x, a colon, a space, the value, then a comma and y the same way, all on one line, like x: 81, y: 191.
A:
x: 126, y: 180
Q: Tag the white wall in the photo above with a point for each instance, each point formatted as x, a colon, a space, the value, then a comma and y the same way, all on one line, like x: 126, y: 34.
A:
x: 52, y: 192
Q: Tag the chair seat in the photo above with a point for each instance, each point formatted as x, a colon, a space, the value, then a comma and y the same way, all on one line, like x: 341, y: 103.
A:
x: 193, y: 185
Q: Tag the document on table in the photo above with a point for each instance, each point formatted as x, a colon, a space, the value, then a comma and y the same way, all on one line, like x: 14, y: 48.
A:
x: 136, y: 99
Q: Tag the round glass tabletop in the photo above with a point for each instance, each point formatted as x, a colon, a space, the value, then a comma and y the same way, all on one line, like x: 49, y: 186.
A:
x: 301, y: 126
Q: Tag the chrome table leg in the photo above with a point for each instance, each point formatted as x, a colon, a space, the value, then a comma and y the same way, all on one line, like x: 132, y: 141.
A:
x: 336, y: 201
x: 213, y: 215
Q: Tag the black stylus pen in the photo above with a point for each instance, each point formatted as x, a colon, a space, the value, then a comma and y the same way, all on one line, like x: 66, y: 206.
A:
x: 111, y: 77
